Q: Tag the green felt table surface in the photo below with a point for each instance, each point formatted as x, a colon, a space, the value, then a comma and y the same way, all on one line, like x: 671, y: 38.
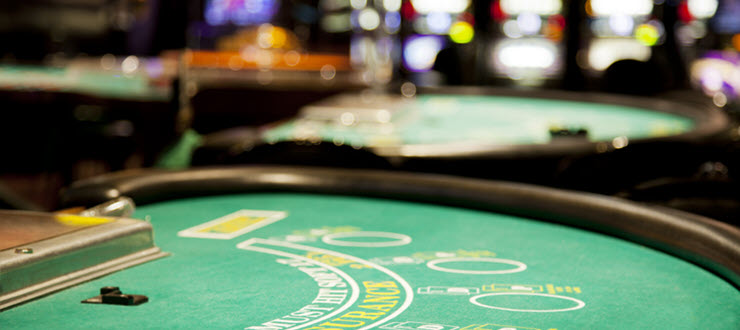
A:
x: 494, y: 120
x: 95, y: 82
x: 336, y: 262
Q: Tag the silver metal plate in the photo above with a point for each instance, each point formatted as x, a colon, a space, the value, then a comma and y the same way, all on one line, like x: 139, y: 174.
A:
x: 41, y: 253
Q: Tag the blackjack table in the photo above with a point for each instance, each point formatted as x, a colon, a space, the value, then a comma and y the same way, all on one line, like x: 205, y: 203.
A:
x: 85, y: 108
x: 585, y: 141
x: 262, y: 247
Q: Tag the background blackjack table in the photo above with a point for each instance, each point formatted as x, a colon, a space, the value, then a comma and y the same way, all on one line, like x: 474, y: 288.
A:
x: 587, y: 141
x: 298, y: 248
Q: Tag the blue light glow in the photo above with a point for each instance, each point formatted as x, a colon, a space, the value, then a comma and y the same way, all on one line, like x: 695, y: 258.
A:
x: 420, y: 52
x: 439, y: 22
x: 393, y: 20
x: 240, y: 12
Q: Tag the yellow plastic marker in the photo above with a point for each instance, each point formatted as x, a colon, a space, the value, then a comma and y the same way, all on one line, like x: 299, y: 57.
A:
x: 80, y: 221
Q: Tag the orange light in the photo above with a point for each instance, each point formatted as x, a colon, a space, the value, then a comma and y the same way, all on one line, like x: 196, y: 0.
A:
x: 284, y: 61
x: 554, y: 32
x: 589, y: 10
x: 736, y: 42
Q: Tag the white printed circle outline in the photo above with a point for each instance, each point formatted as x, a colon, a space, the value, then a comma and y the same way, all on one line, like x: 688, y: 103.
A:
x: 520, y: 266
x: 580, y: 303
x: 400, y: 239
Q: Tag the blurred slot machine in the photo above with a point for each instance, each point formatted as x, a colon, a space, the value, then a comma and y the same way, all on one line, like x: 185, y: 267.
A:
x: 528, y: 44
x: 621, y: 46
x: 246, y: 57
x: 437, y: 42
x: 374, y: 44
x: 709, y: 33
x: 253, y: 62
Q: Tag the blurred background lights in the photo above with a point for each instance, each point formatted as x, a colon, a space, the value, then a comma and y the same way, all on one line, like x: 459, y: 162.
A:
x: 462, y: 32
x: 130, y: 64
x: 702, y: 9
x: 719, y: 99
x: 711, y: 80
x: 438, y: 22
x: 604, y: 52
x: 108, y: 61
x: 529, y: 23
x: 601, y: 28
x: 269, y: 36
x: 240, y: 12
x: 524, y: 53
x: 697, y: 29
x: 392, y: 21
x: 647, y: 34
x: 622, y: 7
x: 511, y: 29
x: 392, y: 5
x: 620, y: 142
x: 421, y: 26
x: 539, y: 7
x: 447, y: 6
x: 718, y: 72
x: 622, y: 25
x: 369, y: 19
x: 420, y: 52
x: 358, y: 4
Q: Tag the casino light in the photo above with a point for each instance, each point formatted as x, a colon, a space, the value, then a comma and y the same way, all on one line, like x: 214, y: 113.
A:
x: 589, y: 9
x: 497, y: 13
x: 620, y: 142
x: 717, y: 73
x: 130, y: 64
x: 368, y: 19
x: 539, y: 7
x: 659, y: 27
x: 529, y: 23
x: 439, y: 22
x: 240, y: 12
x: 697, y: 29
x: 108, y: 61
x: 446, y: 6
x: 358, y: 4
x: 419, y: 52
x: 683, y: 12
x: 511, y: 29
x: 604, y: 52
x: 462, y: 32
x: 269, y: 36
x: 328, y: 72
x: 524, y: 53
x: 623, y: 7
x: 407, y: 11
x: 736, y: 42
x: 719, y: 99
x: 647, y: 34
x: 622, y: 25
x: 554, y: 28
x: 392, y: 5
x: 711, y: 77
x: 392, y: 21
x: 702, y: 9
